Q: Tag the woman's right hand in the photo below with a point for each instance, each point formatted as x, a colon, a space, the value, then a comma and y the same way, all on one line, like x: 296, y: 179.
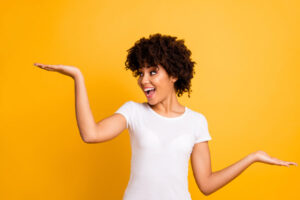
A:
x: 63, y: 69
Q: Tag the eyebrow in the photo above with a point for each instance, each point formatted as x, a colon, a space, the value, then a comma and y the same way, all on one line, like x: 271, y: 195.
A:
x: 156, y: 67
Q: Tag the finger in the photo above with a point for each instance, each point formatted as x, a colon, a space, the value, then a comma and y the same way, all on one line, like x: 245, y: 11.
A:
x: 284, y: 164
x: 292, y: 163
x: 38, y: 64
x: 52, y: 67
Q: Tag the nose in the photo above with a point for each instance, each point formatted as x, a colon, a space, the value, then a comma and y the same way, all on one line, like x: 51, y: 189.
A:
x: 145, y: 79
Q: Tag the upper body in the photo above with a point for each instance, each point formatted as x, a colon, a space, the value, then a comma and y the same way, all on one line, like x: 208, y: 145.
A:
x: 161, y: 148
x: 163, y: 133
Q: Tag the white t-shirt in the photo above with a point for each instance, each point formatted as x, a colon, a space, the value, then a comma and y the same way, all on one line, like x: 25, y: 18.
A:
x: 161, y: 148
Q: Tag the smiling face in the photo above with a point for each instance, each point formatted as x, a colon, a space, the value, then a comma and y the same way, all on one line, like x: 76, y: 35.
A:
x: 156, y: 77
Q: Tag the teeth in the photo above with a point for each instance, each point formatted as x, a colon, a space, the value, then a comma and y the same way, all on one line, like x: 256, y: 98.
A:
x: 147, y: 89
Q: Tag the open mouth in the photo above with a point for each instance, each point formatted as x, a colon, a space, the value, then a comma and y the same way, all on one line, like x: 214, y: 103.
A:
x: 150, y: 93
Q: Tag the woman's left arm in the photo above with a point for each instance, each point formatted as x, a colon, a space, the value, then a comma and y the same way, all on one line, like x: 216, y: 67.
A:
x: 209, y: 182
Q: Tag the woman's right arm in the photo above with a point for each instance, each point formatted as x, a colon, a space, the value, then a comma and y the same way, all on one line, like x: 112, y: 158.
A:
x: 90, y: 131
x: 84, y: 116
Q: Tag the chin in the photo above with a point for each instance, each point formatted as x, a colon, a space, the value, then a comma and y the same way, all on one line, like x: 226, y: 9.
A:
x: 151, y: 102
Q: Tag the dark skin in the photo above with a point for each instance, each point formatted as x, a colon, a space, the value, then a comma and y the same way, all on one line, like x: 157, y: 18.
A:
x: 165, y: 103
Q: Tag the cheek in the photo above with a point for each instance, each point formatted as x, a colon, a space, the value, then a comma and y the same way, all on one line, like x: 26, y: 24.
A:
x: 158, y: 82
x: 160, y: 79
x: 161, y: 83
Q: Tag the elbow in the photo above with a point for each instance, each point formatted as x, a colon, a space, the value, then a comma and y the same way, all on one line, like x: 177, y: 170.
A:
x: 88, y: 136
x: 206, y: 193
x: 92, y: 140
x: 206, y: 190
x: 88, y: 140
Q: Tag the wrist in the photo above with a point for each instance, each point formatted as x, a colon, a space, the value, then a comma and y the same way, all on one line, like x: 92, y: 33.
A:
x: 77, y: 74
x: 252, y: 157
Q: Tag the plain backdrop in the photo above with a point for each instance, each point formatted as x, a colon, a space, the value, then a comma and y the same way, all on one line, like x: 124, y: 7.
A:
x: 246, y: 84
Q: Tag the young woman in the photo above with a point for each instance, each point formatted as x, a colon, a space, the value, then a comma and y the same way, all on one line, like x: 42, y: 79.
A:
x: 163, y: 133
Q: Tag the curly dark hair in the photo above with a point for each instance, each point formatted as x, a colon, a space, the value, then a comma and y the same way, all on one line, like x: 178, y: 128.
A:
x: 165, y: 50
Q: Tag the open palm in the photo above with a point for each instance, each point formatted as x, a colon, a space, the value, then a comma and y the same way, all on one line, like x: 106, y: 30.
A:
x: 262, y: 156
x: 63, y: 69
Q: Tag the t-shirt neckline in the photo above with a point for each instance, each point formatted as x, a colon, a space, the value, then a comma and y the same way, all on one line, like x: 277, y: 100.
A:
x: 168, y: 118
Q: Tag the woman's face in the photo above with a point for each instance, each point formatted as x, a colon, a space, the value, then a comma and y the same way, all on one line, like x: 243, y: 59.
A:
x: 156, y: 77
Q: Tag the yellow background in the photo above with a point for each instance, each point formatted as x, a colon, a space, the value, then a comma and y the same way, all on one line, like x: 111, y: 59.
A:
x: 246, y: 84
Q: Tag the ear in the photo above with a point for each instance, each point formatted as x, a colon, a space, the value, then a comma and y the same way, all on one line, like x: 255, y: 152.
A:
x: 173, y: 79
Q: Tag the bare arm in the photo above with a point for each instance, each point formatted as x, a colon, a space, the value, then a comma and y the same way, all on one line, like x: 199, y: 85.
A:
x: 222, y: 177
x: 84, y: 116
x: 209, y: 182
x: 90, y: 131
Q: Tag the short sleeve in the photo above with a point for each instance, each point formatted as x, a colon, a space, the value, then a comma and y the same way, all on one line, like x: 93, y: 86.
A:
x: 126, y: 110
x: 202, y: 132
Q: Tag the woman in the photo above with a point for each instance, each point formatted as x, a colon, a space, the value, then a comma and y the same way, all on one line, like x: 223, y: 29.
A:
x: 163, y: 133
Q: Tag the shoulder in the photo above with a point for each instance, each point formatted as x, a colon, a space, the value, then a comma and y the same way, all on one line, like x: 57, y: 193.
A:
x: 130, y: 104
x: 197, y: 115
x: 134, y: 103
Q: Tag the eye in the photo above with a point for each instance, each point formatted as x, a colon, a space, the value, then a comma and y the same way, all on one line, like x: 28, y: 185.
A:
x: 153, y: 71
x: 140, y: 73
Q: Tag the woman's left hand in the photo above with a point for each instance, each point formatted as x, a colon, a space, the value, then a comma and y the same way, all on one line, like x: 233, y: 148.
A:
x: 261, y: 156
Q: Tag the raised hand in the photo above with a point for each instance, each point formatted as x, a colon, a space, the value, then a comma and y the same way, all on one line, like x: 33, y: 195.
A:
x: 261, y: 156
x: 63, y: 69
